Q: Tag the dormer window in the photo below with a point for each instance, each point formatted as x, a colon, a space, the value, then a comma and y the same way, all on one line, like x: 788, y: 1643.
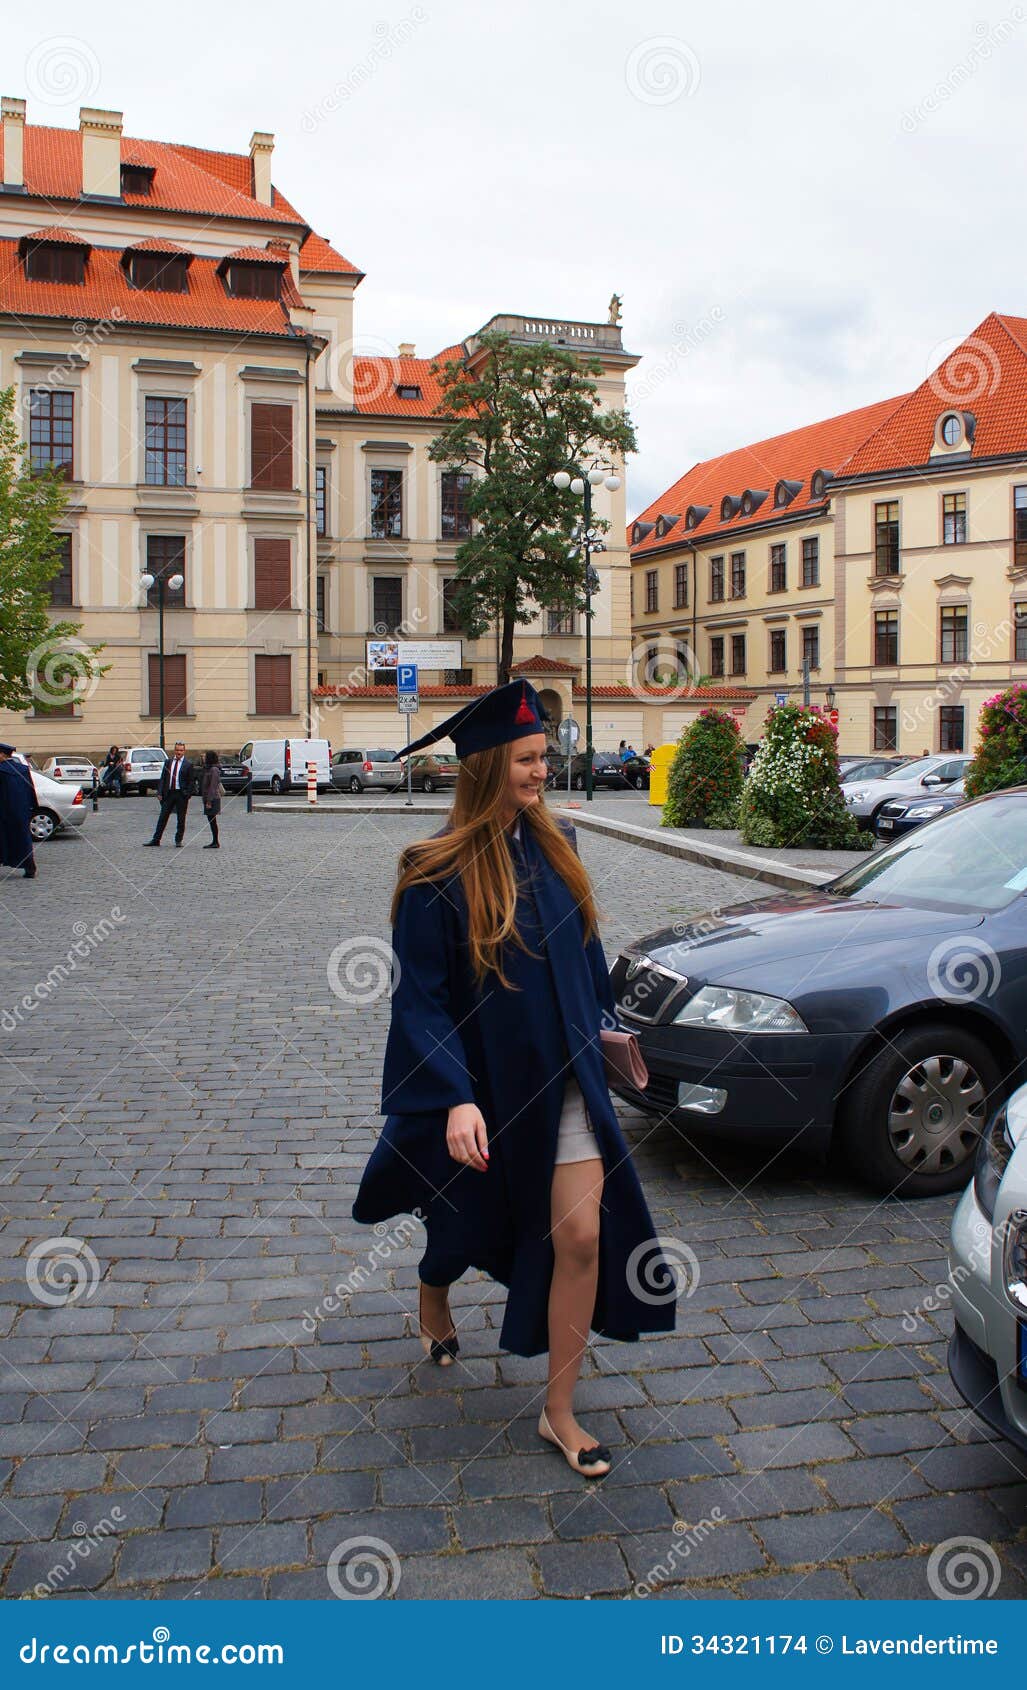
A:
x: 820, y: 481
x: 729, y: 507
x: 158, y: 272
x: 639, y: 531
x: 695, y: 514
x: 785, y: 492
x: 664, y: 524
x: 752, y: 499
x: 954, y: 431
x: 137, y: 179
x: 54, y: 256
x: 408, y: 390
x: 254, y: 281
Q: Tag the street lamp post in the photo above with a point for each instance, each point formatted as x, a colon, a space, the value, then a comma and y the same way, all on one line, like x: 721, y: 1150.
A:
x: 582, y: 485
x: 164, y: 583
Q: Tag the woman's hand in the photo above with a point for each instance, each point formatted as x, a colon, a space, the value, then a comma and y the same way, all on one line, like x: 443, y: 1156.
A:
x: 466, y: 1138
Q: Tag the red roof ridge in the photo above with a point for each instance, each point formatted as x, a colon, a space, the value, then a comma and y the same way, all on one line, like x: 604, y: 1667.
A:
x: 56, y: 232
x: 548, y: 665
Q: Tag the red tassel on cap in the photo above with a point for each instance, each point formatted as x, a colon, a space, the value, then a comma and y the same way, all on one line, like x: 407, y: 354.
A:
x: 524, y: 711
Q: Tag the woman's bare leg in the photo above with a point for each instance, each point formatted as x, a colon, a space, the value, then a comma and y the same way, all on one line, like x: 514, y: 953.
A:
x: 576, y: 1192
x: 435, y: 1315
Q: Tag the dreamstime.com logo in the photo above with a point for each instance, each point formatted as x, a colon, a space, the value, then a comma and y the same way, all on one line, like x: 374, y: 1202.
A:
x: 160, y: 1652
x: 87, y: 940
x: 661, y: 70
x: 686, y: 1539
x: 963, y: 1569
x: 363, y: 969
x: 399, y: 1237
x: 662, y: 1270
x: 962, y: 969
x: 78, y: 1551
x: 360, y: 1569
x: 60, y: 1271
x: 62, y: 71
x: 62, y: 670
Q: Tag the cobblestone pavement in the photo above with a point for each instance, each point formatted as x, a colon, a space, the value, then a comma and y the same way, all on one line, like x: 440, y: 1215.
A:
x: 188, y: 1099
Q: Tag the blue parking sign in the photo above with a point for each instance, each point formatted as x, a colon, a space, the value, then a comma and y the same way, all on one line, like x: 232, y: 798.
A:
x: 406, y: 677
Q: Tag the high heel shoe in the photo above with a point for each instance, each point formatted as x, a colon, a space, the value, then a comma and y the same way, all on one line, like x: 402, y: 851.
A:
x: 586, y: 1460
x: 442, y: 1351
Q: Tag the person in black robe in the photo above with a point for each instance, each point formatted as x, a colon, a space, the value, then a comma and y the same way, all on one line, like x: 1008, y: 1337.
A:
x: 17, y: 802
x: 500, y: 1130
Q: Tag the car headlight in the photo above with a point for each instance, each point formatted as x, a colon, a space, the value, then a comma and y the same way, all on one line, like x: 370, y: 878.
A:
x: 993, y: 1155
x: 920, y: 812
x: 739, y: 1012
x: 855, y: 797
x: 1014, y: 1258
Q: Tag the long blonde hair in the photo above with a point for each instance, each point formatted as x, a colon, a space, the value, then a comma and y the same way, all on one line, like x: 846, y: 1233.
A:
x: 474, y: 846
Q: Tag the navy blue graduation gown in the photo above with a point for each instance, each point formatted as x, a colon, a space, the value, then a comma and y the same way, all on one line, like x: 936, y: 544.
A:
x: 510, y: 1051
x: 17, y: 802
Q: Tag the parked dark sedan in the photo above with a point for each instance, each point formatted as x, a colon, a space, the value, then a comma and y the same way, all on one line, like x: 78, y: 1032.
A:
x: 884, y: 1012
x: 903, y: 814
x: 607, y: 771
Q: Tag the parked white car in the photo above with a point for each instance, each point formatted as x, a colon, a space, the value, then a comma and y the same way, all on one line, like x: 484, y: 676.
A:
x: 988, y: 1277
x: 280, y: 765
x: 57, y: 805
x: 143, y: 767
x: 923, y: 778
x: 74, y: 770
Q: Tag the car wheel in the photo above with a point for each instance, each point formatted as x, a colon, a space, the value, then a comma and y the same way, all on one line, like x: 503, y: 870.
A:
x: 579, y: 783
x: 354, y: 784
x: 43, y: 824
x: 639, y: 783
x: 911, y: 1120
x: 276, y: 785
x: 429, y: 784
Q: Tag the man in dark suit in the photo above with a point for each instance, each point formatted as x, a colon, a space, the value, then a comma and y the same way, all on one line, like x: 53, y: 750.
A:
x: 176, y: 789
x: 17, y: 802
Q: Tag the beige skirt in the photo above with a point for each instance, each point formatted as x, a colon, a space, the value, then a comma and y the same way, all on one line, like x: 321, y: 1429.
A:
x: 576, y: 1142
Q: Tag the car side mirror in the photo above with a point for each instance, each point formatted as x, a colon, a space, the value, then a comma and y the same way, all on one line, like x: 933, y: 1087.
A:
x: 932, y: 780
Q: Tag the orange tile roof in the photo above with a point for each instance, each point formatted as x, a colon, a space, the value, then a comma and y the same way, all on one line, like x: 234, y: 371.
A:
x: 256, y: 255
x: 153, y: 243
x: 318, y: 256
x: 106, y: 294
x: 545, y: 665
x: 56, y: 232
x: 669, y: 695
x: 375, y: 381
x: 986, y: 375
x: 793, y: 457
x: 195, y: 180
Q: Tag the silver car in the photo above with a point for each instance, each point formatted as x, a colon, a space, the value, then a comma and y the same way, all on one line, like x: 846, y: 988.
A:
x: 74, y: 770
x: 925, y: 776
x: 988, y: 1277
x: 57, y: 806
x: 375, y: 770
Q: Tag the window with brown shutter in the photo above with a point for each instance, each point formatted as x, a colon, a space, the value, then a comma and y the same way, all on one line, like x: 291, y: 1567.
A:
x: 271, y: 447
x: 174, y: 685
x: 61, y: 590
x: 272, y: 574
x: 273, y: 685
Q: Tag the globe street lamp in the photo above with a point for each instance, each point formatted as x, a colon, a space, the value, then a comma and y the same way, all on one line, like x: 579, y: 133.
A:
x: 164, y: 583
x: 587, y: 540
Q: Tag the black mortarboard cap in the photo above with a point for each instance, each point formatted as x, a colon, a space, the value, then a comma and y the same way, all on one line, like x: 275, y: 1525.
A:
x: 504, y: 714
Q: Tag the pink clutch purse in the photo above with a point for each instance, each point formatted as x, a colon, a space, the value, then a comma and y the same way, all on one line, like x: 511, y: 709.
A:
x: 624, y: 1061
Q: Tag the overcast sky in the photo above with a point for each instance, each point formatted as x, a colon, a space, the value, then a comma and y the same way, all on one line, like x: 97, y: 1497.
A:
x: 803, y: 206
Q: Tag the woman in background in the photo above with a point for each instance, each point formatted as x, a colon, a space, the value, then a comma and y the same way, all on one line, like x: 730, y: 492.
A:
x: 211, y: 792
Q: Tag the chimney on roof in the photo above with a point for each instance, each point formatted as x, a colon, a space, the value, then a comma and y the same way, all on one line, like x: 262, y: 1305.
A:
x: 13, y: 113
x: 407, y: 349
x: 101, y: 152
x: 262, y: 145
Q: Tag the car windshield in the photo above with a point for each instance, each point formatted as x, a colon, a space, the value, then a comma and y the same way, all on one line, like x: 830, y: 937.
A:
x: 380, y: 756
x: 913, y: 771
x: 150, y: 755
x: 973, y: 858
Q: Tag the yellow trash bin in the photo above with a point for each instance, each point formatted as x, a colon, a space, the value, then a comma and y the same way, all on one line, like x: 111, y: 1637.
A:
x: 660, y: 761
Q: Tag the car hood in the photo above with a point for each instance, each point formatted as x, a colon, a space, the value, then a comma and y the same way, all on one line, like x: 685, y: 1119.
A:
x: 748, y: 945
x: 893, y: 787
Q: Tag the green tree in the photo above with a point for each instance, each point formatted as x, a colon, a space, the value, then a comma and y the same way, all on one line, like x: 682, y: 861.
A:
x: 705, y: 778
x: 515, y: 418
x: 42, y: 662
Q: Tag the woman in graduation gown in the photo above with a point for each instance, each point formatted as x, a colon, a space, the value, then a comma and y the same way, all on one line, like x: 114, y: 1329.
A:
x: 500, y: 1131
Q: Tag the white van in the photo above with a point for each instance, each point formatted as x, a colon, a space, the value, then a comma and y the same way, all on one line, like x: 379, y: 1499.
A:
x: 280, y: 765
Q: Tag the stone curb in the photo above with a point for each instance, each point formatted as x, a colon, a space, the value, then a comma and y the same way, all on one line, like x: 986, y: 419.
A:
x: 724, y: 857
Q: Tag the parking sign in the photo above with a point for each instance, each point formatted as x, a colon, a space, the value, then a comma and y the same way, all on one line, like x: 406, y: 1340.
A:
x: 406, y: 677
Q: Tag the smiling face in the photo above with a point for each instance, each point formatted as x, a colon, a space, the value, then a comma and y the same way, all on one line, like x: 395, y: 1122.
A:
x: 527, y: 772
